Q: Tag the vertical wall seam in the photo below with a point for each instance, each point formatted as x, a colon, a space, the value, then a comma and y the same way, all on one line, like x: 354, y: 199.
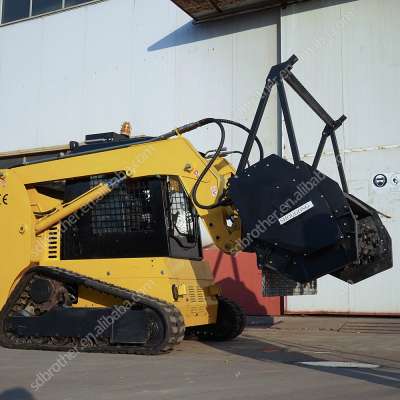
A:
x: 39, y: 89
x: 233, y: 86
x: 84, y: 67
x: 132, y: 63
x: 279, y: 133
x: 342, y: 25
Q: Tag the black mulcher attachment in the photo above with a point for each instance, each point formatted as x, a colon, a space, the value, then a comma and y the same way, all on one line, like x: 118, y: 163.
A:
x: 300, y: 222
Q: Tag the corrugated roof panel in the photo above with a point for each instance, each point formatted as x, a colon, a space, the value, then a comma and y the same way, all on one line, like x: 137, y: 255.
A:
x: 204, y: 10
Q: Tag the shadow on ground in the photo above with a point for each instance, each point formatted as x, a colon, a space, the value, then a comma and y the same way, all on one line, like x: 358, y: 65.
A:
x: 16, y: 394
x: 254, y: 348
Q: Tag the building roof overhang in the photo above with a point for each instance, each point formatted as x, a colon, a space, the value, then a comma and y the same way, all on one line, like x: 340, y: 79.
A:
x: 206, y: 10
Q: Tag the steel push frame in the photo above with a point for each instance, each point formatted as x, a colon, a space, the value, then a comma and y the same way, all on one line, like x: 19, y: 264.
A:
x: 279, y: 74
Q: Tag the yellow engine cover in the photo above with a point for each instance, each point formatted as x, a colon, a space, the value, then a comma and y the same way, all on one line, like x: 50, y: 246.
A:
x: 187, y: 284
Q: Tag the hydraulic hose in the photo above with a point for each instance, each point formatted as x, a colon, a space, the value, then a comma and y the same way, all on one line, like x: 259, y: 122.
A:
x: 195, y: 125
x: 207, y: 168
x: 241, y: 126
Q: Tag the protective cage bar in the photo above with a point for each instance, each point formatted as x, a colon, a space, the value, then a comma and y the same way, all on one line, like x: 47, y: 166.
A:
x: 276, y: 284
x: 145, y: 217
x: 277, y: 76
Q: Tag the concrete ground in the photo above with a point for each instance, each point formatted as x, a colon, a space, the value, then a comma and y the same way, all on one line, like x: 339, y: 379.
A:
x: 265, y: 362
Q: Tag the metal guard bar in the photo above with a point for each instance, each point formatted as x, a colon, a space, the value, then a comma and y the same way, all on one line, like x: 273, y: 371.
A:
x: 278, y: 74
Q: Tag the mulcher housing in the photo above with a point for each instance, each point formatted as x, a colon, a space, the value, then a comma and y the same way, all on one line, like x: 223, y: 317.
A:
x: 316, y: 227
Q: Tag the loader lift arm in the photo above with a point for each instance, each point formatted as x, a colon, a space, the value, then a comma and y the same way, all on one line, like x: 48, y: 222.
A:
x: 66, y: 209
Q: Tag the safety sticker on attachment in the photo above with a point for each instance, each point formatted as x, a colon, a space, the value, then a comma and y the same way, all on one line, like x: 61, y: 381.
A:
x: 295, y: 213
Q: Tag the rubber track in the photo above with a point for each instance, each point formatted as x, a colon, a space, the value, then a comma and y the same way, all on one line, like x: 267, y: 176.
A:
x: 240, y: 318
x: 211, y: 333
x: 172, y: 318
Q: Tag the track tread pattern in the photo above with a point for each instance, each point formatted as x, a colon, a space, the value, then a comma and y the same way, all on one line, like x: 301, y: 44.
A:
x: 231, y: 322
x: 173, y: 319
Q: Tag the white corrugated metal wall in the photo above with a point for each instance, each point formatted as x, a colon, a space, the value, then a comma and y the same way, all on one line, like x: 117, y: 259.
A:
x: 86, y: 70
x: 351, y: 62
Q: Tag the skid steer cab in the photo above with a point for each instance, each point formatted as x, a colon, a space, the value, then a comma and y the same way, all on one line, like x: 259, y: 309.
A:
x: 101, y: 240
